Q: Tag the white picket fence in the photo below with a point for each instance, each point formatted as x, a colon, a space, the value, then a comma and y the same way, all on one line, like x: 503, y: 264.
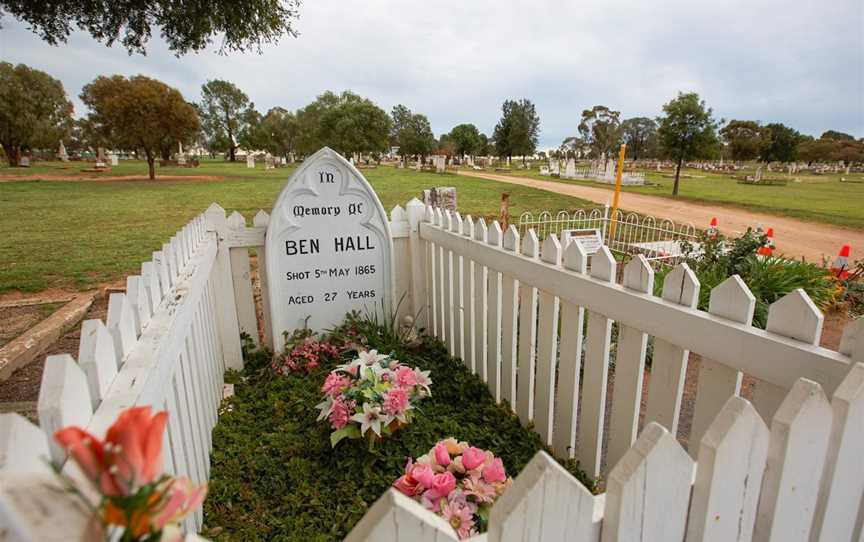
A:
x: 521, y: 323
x: 164, y: 344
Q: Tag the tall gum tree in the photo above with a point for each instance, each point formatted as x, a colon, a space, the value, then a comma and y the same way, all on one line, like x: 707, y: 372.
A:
x: 225, y: 114
x: 34, y: 110
x: 139, y: 113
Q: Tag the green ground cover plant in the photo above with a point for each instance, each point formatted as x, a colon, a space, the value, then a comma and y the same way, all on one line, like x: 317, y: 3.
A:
x: 274, y: 475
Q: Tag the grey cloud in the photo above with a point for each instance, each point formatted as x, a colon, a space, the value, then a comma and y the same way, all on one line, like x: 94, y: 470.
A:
x: 797, y: 62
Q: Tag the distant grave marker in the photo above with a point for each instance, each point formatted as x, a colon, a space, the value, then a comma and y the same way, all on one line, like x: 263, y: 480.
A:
x: 328, y: 246
x: 590, y: 239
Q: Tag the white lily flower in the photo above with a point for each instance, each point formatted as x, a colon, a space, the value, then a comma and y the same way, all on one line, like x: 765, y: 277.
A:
x: 326, y: 407
x: 372, y: 357
x: 423, y: 380
x: 370, y: 418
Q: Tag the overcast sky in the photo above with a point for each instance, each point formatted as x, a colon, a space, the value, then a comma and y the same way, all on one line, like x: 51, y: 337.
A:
x: 800, y: 62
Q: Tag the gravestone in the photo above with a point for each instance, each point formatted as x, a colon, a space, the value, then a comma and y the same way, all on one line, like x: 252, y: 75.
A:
x: 442, y: 196
x: 61, y: 152
x: 328, y: 246
x: 250, y: 161
x: 114, y: 159
x: 24, y: 161
x: 268, y: 161
x: 570, y: 169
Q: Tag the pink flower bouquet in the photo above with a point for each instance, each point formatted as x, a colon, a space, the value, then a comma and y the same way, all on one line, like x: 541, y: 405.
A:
x: 458, y: 482
x: 371, y: 397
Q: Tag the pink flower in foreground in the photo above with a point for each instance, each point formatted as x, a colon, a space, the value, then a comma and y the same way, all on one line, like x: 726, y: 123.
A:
x: 494, y: 472
x: 181, y: 498
x: 442, y: 456
x: 395, y: 401
x: 406, y: 378
x: 408, y: 485
x: 335, y: 383
x: 473, y: 458
x: 442, y: 485
x: 340, y: 414
x: 460, y: 516
x: 423, y: 474
x: 482, y: 491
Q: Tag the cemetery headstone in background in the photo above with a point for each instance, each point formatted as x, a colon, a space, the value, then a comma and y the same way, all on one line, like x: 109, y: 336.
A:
x: 250, y: 161
x: 328, y: 248
x: 442, y: 196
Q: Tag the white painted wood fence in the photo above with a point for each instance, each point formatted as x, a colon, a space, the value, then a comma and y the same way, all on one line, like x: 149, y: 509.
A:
x: 539, y: 332
x: 164, y: 344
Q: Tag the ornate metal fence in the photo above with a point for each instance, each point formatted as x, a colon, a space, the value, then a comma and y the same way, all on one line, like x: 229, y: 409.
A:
x: 661, y: 241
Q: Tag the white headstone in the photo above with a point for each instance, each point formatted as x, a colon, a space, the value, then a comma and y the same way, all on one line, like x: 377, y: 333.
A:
x: 250, y: 161
x: 570, y: 169
x: 61, y: 152
x: 329, y: 249
x: 114, y: 159
x: 24, y: 161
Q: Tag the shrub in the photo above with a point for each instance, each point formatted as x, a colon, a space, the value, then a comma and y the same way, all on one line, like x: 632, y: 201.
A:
x: 716, y: 258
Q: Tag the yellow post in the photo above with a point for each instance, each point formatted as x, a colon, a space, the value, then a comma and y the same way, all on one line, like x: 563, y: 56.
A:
x: 617, y: 192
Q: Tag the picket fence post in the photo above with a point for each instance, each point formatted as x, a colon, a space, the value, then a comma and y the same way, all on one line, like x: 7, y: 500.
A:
x: 241, y: 278
x: 226, y: 307
x: 415, y: 211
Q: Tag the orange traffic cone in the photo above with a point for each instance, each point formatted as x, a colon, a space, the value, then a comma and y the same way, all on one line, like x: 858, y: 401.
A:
x: 840, y: 267
x: 768, y: 248
x: 712, y: 229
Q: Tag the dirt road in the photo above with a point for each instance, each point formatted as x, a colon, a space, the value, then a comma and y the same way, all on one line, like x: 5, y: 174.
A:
x: 793, y: 237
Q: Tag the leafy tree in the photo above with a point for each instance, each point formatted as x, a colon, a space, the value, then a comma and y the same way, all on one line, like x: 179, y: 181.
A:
x: 345, y: 122
x: 224, y: 111
x: 485, y: 147
x: 572, y: 147
x: 687, y: 130
x: 34, y: 110
x: 518, y: 130
x: 186, y: 25
x: 281, y: 129
x: 466, y: 139
x: 446, y: 145
x: 745, y: 139
x: 253, y: 135
x: 837, y: 136
x: 600, y: 129
x: 640, y: 135
x: 781, y: 143
x: 831, y: 150
x: 139, y: 113
x: 412, y: 133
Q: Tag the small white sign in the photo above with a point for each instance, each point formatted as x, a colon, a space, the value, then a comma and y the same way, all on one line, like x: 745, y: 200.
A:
x: 590, y: 239
x: 328, y: 248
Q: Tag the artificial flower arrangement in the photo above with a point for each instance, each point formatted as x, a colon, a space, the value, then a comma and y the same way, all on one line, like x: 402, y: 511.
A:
x: 458, y: 482
x: 137, y: 501
x: 303, y: 353
x: 371, y: 397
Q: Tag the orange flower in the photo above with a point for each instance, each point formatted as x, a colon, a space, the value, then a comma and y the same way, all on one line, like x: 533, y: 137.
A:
x: 130, y: 456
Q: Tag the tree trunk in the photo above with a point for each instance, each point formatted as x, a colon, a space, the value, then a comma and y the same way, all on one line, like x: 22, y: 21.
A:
x: 677, y: 175
x: 13, y: 154
x: 232, y: 153
x: 151, y: 165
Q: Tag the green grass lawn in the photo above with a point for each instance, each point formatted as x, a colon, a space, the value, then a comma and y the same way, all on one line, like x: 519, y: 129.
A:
x: 81, y: 233
x: 821, y: 198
